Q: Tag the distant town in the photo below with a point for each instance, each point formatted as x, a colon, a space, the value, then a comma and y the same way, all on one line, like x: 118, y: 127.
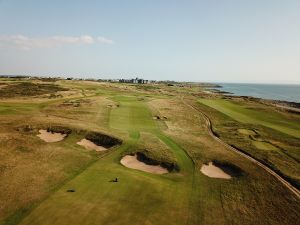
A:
x: 136, y: 80
x: 132, y: 81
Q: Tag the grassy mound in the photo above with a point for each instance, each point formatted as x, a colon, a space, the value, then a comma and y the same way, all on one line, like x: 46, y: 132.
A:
x: 152, y: 151
x: 102, y: 139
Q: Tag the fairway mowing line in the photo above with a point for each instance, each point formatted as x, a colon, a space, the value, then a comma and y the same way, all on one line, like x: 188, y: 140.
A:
x: 169, y: 142
x: 186, y: 161
x: 266, y: 168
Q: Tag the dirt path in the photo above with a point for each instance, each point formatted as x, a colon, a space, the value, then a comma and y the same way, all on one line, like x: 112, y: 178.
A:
x: 266, y: 168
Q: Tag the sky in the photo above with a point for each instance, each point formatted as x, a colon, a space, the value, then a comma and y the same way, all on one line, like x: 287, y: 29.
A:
x: 255, y: 41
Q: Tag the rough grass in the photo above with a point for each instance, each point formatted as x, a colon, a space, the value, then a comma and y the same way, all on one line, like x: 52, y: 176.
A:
x: 279, y: 149
x: 24, y: 89
x: 264, y: 145
x: 246, y: 131
x: 269, y: 118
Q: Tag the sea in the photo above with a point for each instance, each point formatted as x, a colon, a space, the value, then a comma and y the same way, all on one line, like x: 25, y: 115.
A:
x: 284, y: 92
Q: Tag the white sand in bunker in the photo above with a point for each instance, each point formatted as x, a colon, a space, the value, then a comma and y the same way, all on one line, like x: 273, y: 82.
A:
x: 213, y: 171
x: 132, y: 162
x: 50, y: 137
x: 91, y: 145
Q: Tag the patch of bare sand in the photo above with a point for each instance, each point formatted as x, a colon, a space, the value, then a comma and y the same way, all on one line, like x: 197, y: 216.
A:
x: 3, y: 85
x: 50, y: 137
x: 91, y: 145
x: 213, y: 171
x: 132, y: 162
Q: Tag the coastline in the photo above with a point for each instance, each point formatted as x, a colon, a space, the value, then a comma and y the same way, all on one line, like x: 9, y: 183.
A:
x: 289, y: 106
x: 280, y: 92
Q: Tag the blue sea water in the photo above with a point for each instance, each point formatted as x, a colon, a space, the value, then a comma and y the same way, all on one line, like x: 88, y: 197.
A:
x: 285, y: 92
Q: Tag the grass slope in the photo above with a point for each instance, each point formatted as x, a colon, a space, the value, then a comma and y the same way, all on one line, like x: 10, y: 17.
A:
x: 242, y: 114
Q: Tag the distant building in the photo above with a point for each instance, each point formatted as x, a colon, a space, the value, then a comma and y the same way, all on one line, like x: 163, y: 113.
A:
x: 134, y: 81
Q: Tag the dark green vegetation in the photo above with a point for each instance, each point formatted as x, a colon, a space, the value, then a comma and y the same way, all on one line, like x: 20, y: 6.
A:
x: 63, y: 183
x: 59, y: 129
x: 102, y: 139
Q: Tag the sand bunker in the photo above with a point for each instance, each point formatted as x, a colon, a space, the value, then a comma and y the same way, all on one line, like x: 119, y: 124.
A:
x: 91, y: 145
x: 51, y: 137
x: 132, y: 162
x: 213, y: 171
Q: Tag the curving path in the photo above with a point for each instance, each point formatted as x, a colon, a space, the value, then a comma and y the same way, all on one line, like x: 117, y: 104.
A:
x: 270, y: 171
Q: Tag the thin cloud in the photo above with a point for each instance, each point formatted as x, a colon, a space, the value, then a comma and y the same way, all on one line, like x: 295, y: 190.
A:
x: 105, y: 40
x: 27, y: 43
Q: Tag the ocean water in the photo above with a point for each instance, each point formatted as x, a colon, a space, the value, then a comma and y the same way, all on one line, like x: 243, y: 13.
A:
x: 285, y: 92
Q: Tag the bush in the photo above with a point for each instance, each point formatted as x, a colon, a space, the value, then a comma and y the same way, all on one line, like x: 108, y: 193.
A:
x: 59, y: 129
x: 102, y: 139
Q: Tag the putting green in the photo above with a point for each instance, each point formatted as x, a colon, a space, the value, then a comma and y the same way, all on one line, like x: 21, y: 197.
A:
x: 242, y: 114
x: 131, y: 115
x: 138, y: 197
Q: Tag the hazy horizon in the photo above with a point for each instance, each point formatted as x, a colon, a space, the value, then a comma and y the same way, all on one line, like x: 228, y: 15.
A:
x: 197, y: 41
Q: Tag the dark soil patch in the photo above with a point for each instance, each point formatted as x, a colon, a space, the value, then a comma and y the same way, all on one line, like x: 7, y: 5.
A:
x: 75, y: 103
x: 25, y: 129
x: 22, y: 149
